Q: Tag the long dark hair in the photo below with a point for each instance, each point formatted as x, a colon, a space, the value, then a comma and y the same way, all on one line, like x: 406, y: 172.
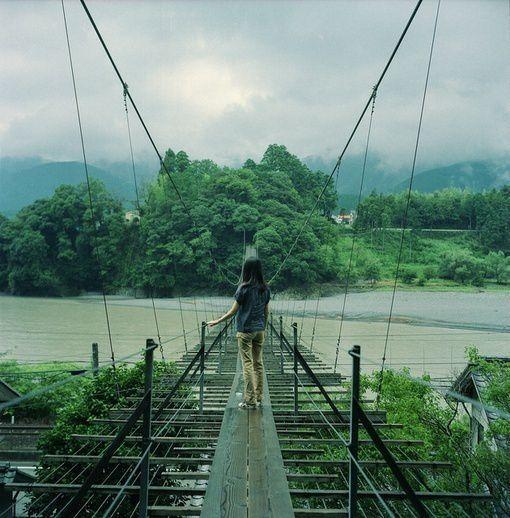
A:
x: 252, y: 274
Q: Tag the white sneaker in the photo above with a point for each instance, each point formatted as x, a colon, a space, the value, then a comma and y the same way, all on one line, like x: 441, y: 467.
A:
x: 244, y: 404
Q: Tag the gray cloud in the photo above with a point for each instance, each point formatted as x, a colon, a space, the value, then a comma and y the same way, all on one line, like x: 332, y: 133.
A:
x: 225, y: 79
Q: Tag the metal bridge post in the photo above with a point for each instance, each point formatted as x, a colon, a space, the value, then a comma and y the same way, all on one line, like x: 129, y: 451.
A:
x: 296, y: 392
x: 354, y: 431
x: 281, y: 344
x: 220, y: 340
x: 95, y: 358
x: 146, y: 430
x: 202, y: 366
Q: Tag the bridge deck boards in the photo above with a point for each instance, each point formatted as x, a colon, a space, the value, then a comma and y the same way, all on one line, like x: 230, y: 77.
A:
x: 247, y: 475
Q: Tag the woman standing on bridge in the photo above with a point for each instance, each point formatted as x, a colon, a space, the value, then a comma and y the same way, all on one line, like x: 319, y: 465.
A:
x: 252, y: 307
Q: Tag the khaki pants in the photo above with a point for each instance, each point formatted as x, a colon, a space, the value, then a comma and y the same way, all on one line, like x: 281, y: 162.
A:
x: 250, y: 345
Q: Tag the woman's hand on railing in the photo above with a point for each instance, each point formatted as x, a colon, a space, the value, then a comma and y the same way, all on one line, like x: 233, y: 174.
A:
x: 212, y: 323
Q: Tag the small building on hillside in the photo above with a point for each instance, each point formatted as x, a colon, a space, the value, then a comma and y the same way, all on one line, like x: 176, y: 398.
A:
x: 132, y: 216
x: 472, y: 383
x: 345, y: 218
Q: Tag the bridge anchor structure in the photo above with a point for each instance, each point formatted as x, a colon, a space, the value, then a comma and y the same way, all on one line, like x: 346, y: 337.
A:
x: 183, y: 447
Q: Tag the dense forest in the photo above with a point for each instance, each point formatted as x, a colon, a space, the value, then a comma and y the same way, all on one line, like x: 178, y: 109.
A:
x: 488, y: 213
x: 55, y: 245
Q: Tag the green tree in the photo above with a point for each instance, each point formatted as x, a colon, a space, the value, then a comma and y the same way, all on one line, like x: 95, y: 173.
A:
x: 498, y: 267
x: 462, y: 267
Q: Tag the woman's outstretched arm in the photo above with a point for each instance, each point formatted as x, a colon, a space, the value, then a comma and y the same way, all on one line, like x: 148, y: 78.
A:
x: 230, y: 313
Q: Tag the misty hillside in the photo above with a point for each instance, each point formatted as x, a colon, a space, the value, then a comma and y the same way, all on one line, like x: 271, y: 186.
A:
x: 23, y: 180
x: 20, y: 186
x: 474, y: 176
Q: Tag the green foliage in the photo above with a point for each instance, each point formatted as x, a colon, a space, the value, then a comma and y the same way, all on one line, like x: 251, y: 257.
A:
x: 427, y: 416
x: 498, y: 267
x: 462, y: 267
x: 370, y: 269
x: 408, y: 274
x: 91, y: 398
x: 488, y: 213
x: 263, y: 204
x: 50, y: 247
x: 25, y: 378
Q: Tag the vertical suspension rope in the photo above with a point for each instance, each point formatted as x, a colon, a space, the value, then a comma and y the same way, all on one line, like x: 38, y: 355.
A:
x: 302, y: 320
x: 138, y: 207
x: 353, y: 242
x: 157, y: 326
x: 408, y: 199
x: 131, y: 149
x: 315, y: 320
x: 196, y: 316
x: 182, y: 323
x: 89, y: 191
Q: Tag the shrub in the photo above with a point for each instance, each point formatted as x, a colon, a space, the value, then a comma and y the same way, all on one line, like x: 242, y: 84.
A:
x: 25, y: 378
x: 408, y: 274
x: 498, y: 266
x: 371, y: 270
x: 429, y: 272
x: 462, y: 267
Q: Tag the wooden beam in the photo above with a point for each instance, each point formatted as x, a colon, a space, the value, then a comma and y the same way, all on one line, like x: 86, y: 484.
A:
x: 387, y: 495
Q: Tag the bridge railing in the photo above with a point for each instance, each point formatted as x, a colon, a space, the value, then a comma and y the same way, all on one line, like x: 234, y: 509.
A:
x: 144, y: 410
x: 357, y: 415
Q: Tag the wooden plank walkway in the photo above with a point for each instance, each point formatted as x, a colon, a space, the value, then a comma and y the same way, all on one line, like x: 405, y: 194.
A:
x: 247, y: 475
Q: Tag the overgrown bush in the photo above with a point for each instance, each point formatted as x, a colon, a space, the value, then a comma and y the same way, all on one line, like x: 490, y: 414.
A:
x: 462, y: 267
x: 498, y: 266
x: 408, y: 274
x: 25, y: 378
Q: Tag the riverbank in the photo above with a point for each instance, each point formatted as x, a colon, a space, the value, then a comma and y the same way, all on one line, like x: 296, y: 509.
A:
x: 480, y: 310
x: 38, y: 330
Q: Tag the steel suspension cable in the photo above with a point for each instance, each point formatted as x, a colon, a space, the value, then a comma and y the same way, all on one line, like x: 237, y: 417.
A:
x: 349, y: 140
x: 408, y: 198
x: 354, y: 236
x: 89, y: 191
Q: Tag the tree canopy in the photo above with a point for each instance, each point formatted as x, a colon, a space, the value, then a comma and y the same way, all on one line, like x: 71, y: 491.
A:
x: 53, y: 247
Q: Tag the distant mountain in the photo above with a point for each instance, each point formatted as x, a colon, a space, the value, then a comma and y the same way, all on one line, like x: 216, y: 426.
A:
x: 20, y: 186
x: 474, y: 176
x: 376, y: 174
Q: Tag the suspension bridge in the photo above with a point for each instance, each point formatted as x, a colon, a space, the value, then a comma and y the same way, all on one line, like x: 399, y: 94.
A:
x: 182, y: 447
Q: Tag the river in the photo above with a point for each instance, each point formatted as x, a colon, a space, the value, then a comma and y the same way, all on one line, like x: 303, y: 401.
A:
x: 429, y: 331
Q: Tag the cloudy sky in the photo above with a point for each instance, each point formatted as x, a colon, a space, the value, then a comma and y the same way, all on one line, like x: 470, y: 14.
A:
x: 224, y: 79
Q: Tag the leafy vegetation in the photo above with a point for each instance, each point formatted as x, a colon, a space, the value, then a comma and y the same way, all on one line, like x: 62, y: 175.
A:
x: 427, y: 259
x: 25, y: 378
x: 51, y: 247
x: 442, y: 424
x: 91, y: 398
x: 445, y: 429
x: 488, y: 213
